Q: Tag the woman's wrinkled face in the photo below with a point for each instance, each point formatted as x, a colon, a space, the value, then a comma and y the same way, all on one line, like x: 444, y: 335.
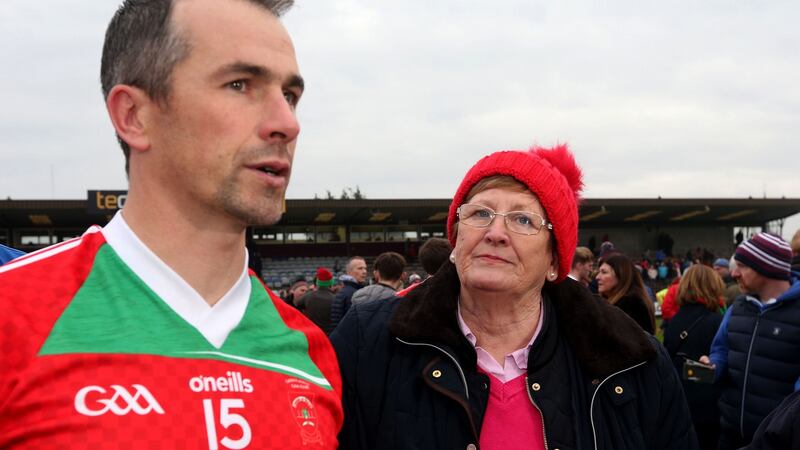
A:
x: 606, y: 279
x: 494, y: 259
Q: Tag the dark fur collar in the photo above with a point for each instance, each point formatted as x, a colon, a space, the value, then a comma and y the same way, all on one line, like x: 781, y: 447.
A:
x: 602, y: 337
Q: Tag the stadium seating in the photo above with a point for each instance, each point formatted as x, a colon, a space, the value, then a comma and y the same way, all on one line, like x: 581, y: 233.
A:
x: 279, y: 273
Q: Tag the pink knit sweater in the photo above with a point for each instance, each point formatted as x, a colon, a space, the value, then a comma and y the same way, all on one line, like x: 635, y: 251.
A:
x: 511, y: 421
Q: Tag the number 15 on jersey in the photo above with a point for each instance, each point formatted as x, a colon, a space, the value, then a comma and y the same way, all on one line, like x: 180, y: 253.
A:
x: 227, y: 418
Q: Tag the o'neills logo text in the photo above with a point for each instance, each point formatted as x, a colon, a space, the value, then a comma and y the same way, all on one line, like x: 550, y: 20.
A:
x: 232, y: 382
x: 95, y: 401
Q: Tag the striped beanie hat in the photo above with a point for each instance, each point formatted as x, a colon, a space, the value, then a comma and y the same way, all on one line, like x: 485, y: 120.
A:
x: 767, y: 254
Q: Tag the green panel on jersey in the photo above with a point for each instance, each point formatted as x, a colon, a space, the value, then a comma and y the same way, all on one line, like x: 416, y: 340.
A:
x: 114, y: 311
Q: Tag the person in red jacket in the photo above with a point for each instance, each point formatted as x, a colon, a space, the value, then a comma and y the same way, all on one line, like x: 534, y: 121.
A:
x: 670, y: 306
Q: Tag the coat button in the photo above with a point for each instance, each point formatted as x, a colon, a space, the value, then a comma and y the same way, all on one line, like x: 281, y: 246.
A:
x: 484, y: 385
x: 536, y: 386
x: 472, y: 447
x: 618, y: 389
x: 436, y: 373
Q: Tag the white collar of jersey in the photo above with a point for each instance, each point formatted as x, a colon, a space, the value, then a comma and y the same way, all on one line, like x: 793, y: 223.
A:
x: 214, y: 323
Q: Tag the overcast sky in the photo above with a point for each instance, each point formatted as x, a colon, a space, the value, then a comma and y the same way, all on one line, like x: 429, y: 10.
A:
x: 676, y: 98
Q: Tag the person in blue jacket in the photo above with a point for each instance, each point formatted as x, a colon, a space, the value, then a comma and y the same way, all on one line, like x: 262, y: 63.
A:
x: 8, y: 253
x: 755, y: 351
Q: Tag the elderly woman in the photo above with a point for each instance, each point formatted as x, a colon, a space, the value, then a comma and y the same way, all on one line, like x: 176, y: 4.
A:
x: 619, y: 282
x: 499, y: 350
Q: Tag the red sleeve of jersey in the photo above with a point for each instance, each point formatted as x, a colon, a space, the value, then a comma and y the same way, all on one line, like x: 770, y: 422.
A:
x: 35, y: 291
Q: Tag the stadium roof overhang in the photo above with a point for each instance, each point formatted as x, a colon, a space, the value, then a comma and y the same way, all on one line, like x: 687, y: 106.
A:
x: 594, y: 213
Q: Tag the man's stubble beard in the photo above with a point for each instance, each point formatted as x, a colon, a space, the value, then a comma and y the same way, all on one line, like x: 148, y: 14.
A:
x: 259, y: 211
x: 264, y: 211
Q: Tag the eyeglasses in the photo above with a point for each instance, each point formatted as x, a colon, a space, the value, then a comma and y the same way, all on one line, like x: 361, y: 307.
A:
x: 520, y: 222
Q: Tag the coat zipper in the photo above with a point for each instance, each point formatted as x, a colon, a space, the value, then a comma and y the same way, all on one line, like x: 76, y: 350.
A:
x: 458, y: 366
x: 591, y: 405
x: 746, y: 373
x: 541, y: 414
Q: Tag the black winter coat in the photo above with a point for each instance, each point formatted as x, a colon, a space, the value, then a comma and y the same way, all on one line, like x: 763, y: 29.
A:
x: 341, y: 303
x: 637, y: 311
x: 410, y: 378
x: 316, y: 305
x: 702, y: 398
x: 780, y: 430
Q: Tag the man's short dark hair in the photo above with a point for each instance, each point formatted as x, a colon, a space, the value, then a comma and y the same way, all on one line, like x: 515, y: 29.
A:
x: 142, y: 48
x: 297, y: 282
x: 390, y: 265
x: 433, y: 253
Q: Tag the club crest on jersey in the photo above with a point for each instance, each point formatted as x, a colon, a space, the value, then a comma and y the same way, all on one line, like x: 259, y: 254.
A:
x: 306, y: 417
x: 95, y: 401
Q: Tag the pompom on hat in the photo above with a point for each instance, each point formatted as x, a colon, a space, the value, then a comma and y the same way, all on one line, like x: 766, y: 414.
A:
x: 552, y: 175
x: 324, y: 277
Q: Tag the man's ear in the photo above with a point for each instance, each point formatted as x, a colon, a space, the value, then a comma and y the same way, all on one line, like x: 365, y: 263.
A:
x: 128, y: 107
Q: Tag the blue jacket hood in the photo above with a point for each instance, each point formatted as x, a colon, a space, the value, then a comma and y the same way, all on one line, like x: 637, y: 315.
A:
x: 793, y: 293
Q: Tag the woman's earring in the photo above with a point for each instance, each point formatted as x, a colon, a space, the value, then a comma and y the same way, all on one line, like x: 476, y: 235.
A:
x: 552, y: 276
x: 453, y: 257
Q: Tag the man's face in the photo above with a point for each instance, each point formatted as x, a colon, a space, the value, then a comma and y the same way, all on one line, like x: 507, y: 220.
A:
x: 298, y: 290
x: 358, y: 270
x: 225, y: 140
x: 585, y: 271
x: 750, y: 281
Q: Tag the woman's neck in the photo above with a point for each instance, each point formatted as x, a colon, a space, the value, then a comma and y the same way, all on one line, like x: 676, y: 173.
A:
x: 501, y: 325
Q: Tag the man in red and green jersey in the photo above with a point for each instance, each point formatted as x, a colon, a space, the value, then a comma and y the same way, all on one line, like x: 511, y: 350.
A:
x: 151, y: 332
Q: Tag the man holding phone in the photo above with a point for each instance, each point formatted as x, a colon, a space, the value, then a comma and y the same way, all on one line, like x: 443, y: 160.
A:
x: 755, y: 349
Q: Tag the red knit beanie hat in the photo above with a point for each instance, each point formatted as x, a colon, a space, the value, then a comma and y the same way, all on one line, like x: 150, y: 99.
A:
x: 324, y: 277
x: 552, y: 175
